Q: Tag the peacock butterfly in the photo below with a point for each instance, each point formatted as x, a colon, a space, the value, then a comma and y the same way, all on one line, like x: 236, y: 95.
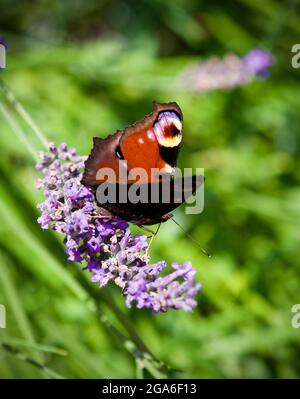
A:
x: 150, y: 146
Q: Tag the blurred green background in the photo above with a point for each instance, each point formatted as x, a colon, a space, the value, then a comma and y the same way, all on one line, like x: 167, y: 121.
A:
x: 86, y: 68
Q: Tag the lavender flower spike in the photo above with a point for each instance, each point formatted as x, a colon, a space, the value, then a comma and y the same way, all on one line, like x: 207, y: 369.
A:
x: 106, y: 247
x: 232, y: 71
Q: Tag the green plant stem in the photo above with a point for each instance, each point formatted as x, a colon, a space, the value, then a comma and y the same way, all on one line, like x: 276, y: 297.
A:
x: 16, y: 306
x: 22, y: 356
x: 9, y: 95
x: 18, y: 131
x: 135, y: 344
x: 37, y: 347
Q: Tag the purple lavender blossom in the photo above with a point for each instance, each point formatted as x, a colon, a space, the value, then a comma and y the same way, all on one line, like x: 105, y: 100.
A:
x: 105, y: 246
x: 258, y: 62
x: 230, y: 72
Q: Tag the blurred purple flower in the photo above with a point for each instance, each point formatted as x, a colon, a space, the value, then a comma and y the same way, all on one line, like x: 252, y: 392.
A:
x: 258, y: 62
x: 230, y: 72
x: 106, y: 246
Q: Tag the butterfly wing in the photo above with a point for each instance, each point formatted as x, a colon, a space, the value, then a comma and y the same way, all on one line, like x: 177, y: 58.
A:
x: 155, y: 206
x: 154, y: 142
x: 102, y: 156
x: 147, y: 144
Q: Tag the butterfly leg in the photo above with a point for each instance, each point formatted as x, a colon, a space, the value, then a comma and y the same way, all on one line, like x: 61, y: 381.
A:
x: 152, y: 238
x: 146, y: 229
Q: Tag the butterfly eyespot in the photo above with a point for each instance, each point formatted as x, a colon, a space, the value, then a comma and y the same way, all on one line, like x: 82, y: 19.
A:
x: 176, y: 131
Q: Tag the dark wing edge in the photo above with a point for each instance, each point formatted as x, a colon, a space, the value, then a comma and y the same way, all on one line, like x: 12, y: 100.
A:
x: 152, y: 213
x: 103, y: 150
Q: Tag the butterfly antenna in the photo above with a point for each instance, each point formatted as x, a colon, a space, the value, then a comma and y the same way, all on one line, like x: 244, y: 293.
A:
x: 192, y: 239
